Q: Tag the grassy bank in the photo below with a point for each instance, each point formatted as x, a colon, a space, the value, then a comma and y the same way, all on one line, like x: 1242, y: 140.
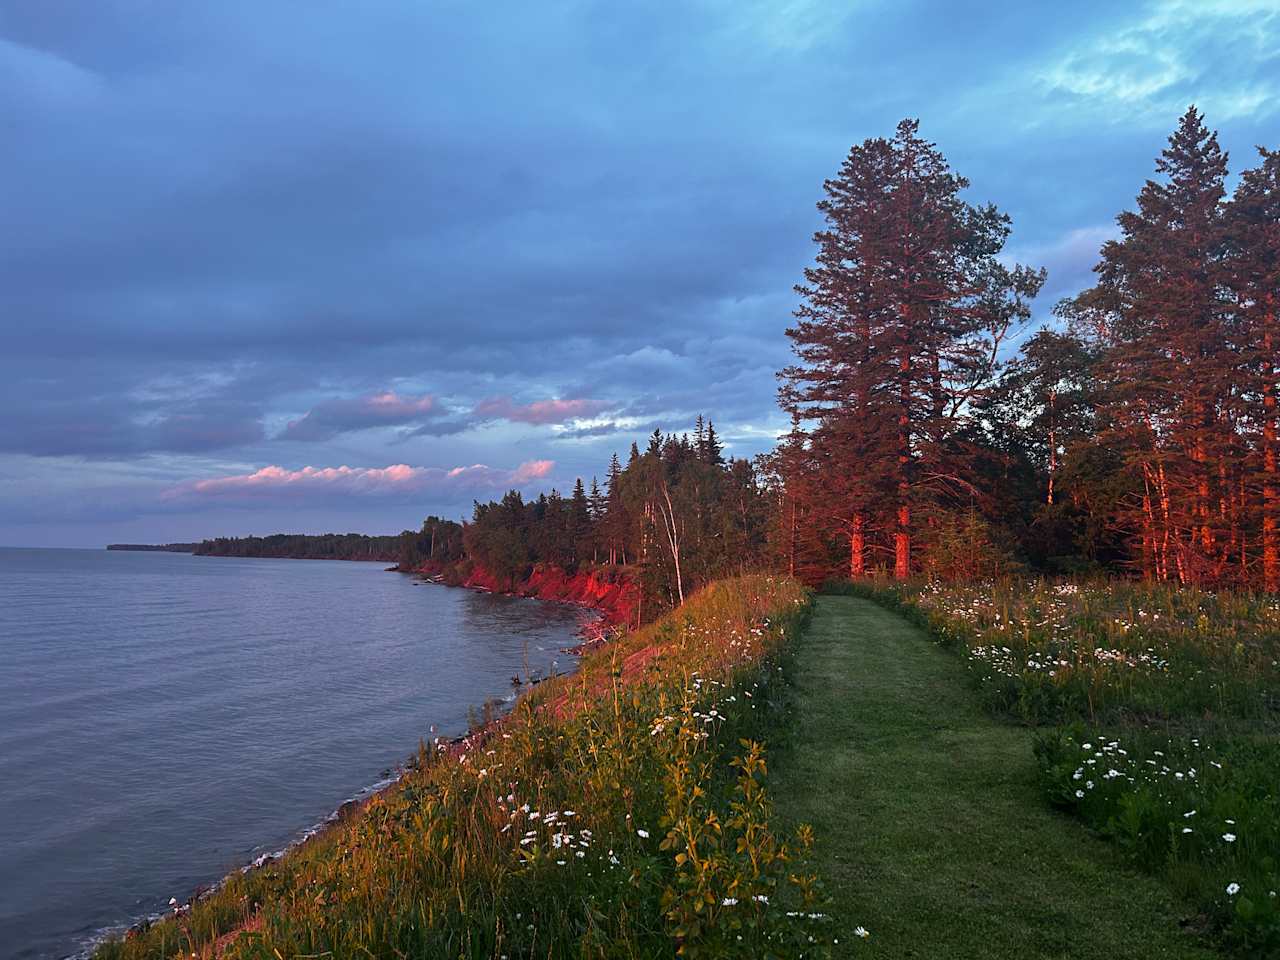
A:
x: 620, y: 812
x: 1159, y: 714
x: 930, y: 827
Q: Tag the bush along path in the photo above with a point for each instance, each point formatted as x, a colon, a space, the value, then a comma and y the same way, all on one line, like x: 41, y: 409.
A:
x: 933, y: 836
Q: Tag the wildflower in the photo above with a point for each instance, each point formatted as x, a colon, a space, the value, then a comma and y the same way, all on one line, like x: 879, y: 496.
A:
x: 862, y: 932
x: 729, y: 902
x: 1233, y: 889
x: 644, y: 834
x: 1229, y: 837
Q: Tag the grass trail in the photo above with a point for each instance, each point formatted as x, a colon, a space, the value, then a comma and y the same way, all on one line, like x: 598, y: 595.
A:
x: 931, y: 832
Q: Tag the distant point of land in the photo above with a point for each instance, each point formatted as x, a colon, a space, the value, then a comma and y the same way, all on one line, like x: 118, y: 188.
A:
x: 156, y: 547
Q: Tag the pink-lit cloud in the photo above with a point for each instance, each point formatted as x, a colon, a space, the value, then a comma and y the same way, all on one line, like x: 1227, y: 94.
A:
x: 539, y: 412
x: 386, y: 409
x: 274, y: 482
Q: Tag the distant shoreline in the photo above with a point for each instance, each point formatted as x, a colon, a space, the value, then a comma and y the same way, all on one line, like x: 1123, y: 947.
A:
x: 155, y: 547
x: 284, y: 546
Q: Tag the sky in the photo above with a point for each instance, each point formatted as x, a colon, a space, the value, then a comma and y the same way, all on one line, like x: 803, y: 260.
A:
x: 303, y: 267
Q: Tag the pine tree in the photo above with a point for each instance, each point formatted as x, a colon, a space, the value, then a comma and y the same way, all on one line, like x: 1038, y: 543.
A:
x: 1253, y: 231
x: 1044, y: 401
x: 902, y: 318
x: 615, y: 514
x: 712, y: 452
x: 655, y: 443
x: 579, y: 522
x: 1160, y: 320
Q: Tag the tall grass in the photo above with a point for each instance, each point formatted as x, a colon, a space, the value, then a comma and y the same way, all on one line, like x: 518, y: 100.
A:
x: 1160, y: 714
x: 619, y: 812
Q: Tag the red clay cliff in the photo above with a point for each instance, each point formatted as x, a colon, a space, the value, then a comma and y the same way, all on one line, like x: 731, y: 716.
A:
x: 612, y: 591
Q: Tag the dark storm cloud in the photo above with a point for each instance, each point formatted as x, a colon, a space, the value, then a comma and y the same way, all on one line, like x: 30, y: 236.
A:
x: 227, y: 221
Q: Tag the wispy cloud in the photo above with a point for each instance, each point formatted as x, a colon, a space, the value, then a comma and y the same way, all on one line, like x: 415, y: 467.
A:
x: 1166, y: 55
x: 43, y: 78
x: 1069, y: 258
x: 327, y: 420
x: 539, y: 412
x: 278, y: 482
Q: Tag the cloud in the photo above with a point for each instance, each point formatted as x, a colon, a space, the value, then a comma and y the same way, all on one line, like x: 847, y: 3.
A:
x: 327, y: 420
x: 1164, y: 56
x: 538, y: 412
x: 1069, y: 258
x: 620, y: 214
x: 275, y: 482
x: 44, y: 79
x: 56, y: 427
x: 606, y: 428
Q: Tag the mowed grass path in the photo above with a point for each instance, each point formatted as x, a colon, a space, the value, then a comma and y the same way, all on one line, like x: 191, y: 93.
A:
x: 931, y: 831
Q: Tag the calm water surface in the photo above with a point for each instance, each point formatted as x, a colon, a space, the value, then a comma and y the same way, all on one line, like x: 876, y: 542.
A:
x: 166, y: 718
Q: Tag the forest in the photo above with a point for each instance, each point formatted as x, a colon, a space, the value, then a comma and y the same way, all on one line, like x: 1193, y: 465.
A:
x: 300, y: 546
x: 677, y: 514
x: 1136, y: 436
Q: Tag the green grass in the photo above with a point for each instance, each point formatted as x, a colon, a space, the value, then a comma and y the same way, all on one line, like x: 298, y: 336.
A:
x: 931, y: 829
x: 1159, y: 716
x: 1105, y: 651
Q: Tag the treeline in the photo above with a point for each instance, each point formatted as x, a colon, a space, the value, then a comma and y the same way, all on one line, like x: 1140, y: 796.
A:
x: 155, y: 547
x: 299, y: 546
x: 1140, y: 435
x: 679, y: 514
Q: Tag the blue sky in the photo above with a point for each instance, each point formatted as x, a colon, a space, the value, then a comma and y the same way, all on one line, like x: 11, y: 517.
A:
x: 276, y: 266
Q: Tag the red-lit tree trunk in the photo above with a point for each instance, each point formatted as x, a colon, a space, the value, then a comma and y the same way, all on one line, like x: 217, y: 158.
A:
x: 1270, y: 494
x: 857, y: 547
x: 902, y: 534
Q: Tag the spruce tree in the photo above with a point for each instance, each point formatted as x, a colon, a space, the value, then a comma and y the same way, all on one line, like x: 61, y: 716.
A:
x: 1253, y: 232
x: 901, y: 321
x: 1160, y: 318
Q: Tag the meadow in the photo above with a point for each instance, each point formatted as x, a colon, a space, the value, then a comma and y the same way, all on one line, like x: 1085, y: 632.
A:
x: 618, y: 812
x: 1158, y: 711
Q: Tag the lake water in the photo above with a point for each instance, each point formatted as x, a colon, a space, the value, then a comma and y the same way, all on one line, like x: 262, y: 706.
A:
x: 164, y: 719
